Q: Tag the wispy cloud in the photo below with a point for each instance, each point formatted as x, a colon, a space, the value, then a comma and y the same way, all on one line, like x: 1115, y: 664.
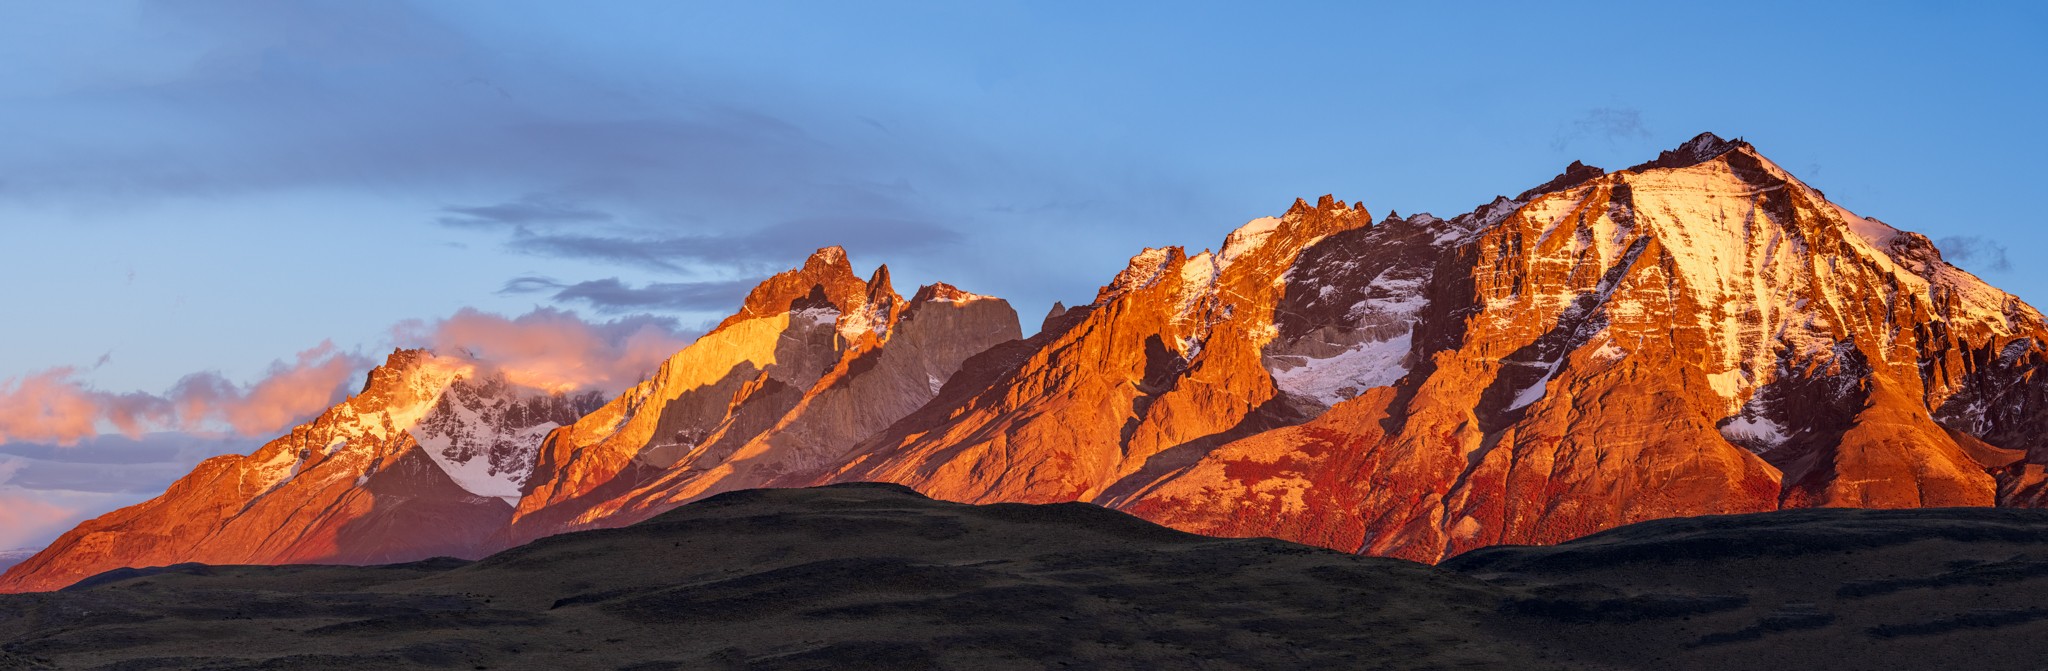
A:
x: 526, y: 211
x: 548, y: 349
x: 1612, y: 124
x: 750, y: 252
x: 1974, y: 252
x: 112, y: 464
x: 56, y: 405
x: 612, y: 296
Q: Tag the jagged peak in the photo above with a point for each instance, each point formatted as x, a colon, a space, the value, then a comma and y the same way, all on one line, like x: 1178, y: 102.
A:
x: 406, y: 357
x: 1300, y: 223
x: 1327, y: 203
x: 1700, y: 149
x: 828, y: 257
x: 826, y: 277
x: 878, y: 283
x: 404, y: 364
x: 941, y: 292
x: 1575, y: 174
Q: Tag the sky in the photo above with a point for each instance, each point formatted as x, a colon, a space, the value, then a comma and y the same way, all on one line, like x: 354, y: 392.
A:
x: 215, y: 215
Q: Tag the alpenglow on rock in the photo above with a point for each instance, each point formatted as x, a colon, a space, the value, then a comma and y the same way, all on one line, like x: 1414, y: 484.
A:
x: 434, y: 458
x: 1698, y: 334
x: 425, y: 461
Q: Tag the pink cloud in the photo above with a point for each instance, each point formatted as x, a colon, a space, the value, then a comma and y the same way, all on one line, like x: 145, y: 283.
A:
x: 53, y: 405
x: 547, y: 349
x: 48, y: 405
x: 551, y: 349
x: 288, y: 393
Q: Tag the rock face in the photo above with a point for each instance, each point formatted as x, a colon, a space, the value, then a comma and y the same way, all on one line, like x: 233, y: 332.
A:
x: 1698, y: 334
x: 421, y: 463
x: 435, y: 459
x: 815, y: 361
x: 1168, y: 361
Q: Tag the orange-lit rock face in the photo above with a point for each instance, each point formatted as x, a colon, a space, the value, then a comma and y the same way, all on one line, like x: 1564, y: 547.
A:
x: 1695, y: 335
x: 415, y: 466
x: 1678, y: 339
x: 815, y: 361
x: 1166, y: 361
x: 428, y: 461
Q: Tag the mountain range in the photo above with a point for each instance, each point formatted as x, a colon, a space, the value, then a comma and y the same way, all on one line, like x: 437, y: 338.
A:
x: 1699, y: 334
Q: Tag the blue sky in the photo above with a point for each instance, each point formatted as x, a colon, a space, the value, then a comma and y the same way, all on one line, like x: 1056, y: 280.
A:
x: 216, y: 187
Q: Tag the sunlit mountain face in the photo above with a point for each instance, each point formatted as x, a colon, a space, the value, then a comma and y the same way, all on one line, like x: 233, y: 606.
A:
x: 1702, y: 333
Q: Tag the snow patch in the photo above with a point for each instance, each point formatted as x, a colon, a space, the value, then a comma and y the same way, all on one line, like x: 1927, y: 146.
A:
x: 961, y: 297
x: 1342, y: 377
x: 1755, y: 432
x: 1535, y: 392
x: 814, y: 316
x: 1248, y: 237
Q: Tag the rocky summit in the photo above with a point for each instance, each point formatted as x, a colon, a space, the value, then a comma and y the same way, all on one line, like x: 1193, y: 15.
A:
x: 1699, y: 334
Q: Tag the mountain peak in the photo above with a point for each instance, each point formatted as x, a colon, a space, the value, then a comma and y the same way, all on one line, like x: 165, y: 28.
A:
x: 1700, y: 149
x: 1058, y: 310
x: 1575, y: 174
x: 404, y: 365
x: 878, y: 283
x: 826, y: 277
x: 942, y: 292
x: 827, y: 257
x: 1327, y: 203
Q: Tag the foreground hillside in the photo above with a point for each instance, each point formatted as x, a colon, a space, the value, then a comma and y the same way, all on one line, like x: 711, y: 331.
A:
x: 878, y: 577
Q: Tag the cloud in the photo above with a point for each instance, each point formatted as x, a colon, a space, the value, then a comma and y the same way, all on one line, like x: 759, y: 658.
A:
x: 1973, y: 251
x: 407, y: 102
x: 48, y: 405
x: 121, y: 450
x: 707, y: 180
x: 288, y: 393
x: 552, y: 349
x: 547, y: 349
x: 755, y: 250
x: 527, y: 211
x: 1604, y: 123
x: 112, y: 464
x: 54, y: 405
x: 612, y: 296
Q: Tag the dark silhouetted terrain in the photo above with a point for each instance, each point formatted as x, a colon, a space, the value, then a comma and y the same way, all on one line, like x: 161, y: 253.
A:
x: 878, y: 577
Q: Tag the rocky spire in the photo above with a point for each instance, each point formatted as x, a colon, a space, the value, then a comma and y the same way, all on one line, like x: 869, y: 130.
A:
x: 1700, y: 149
